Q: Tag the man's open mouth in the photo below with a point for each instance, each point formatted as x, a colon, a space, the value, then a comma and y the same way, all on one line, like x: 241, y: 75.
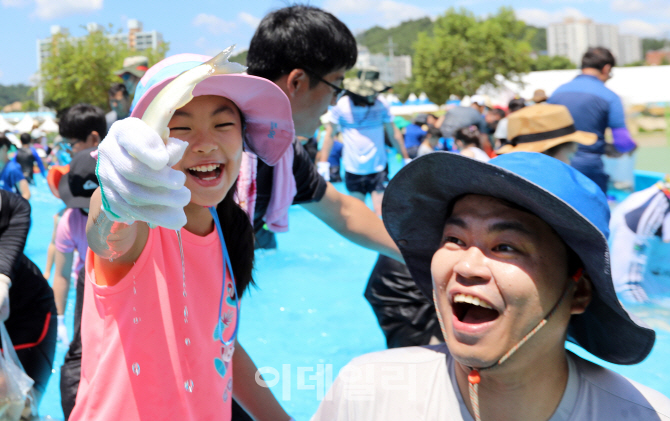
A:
x: 206, y: 172
x: 469, y: 309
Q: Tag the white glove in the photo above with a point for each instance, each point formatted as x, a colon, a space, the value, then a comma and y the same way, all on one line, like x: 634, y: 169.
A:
x: 5, y: 283
x: 136, y: 178
x: 323, y: 168
x: 62, y: 335
x: 406, y: 161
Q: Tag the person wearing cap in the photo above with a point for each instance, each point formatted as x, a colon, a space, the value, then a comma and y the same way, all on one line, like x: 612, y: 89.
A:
x: 159, y: 327
x: 11, y: 175
x: 635, y: 222
x: 133, y: 69
x: 595, y: 108
x: 364, y: 120
x: 306, y: 51
x: 545, y: 128
x: 514, y: 255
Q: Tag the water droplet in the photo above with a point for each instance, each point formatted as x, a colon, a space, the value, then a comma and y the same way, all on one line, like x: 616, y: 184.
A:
x: 185, y: 320
x: 134, y: 290
x: 184, y: 293
x: 188, y: 385
x: 111, y: 259
x: 187, y: 341
x: 185, y: 311
x: 136, y: 369
x: 136, y: 320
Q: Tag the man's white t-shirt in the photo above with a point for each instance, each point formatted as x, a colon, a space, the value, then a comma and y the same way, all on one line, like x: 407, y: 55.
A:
x: 362, y: 135
x: 418, y: 383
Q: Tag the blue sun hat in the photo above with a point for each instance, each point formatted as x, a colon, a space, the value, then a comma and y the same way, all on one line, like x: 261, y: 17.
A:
x: 418, y: 198
x: 266, y: 109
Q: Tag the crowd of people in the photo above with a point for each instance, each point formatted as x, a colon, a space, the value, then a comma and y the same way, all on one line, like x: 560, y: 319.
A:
x: 492, y: 239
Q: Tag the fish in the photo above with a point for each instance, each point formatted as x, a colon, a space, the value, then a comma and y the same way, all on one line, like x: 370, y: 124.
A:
x: 179, y: 91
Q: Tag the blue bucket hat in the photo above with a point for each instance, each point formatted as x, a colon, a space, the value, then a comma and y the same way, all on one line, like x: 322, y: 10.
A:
x: 418, y: 198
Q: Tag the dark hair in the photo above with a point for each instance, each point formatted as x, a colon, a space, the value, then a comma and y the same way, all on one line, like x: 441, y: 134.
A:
x: 500, y: 112
x: 118, y: 87
x: 300, y: 36
x: 4, y: 141
x: 25, y: 138
x: 434, y: 132
x: 78, y: 121
x: 516, y: 104
x: 468, y: 135
x: 238, y: 234
x: 597, y: 58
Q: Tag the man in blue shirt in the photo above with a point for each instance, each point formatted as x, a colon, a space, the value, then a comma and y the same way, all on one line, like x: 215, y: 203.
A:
x: 11, y: 176
x: 594, y: 108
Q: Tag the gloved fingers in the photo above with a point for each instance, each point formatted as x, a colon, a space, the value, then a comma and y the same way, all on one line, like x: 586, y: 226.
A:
x: 164, y: 216
x: 113, y: 159
x: 141, y: 142
x: 156, y: 196
x: 175, y: 149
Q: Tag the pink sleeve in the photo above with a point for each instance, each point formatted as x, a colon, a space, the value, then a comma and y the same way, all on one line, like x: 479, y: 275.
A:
x: 64, y: 241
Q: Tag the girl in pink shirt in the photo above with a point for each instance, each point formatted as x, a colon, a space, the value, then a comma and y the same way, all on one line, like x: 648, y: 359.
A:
x: 158, y: 335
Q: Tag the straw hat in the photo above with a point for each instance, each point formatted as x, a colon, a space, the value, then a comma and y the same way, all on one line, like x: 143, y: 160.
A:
x: 539, y: 96
x: 541, y: 127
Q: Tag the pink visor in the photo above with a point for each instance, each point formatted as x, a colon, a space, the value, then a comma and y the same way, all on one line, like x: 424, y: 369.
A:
x: 266, y: 109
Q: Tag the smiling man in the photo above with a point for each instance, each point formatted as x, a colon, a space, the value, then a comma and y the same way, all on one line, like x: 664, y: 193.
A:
x: 514, y: 255
x: 305, y: 51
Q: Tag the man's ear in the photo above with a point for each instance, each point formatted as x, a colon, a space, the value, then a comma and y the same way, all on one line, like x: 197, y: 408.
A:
x: 94, y: 137
x: 296, y: 80
x: 606, y: 70
x: 582, y: 295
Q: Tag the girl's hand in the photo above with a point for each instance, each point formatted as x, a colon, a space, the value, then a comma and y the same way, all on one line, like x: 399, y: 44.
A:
x: 136, y: 178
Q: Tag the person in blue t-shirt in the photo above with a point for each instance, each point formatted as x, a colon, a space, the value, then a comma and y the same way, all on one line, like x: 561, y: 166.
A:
x: 414, y: 134
x: 594, y: 108
x: 11, y: 176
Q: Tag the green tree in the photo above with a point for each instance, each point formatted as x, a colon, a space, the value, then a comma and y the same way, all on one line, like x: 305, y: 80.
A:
x: 82, y: 69
x: 552, y: 63
x: 12, y: 93
x: 29, y: 105
x: 465, y: 53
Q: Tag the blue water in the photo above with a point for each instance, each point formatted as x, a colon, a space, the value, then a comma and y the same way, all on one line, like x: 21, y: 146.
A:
x: 308, y: 317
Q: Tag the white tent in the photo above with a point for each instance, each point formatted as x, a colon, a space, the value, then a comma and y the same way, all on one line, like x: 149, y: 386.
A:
x: 25, y: 125
x: 4, y: 125
x: 49, y: 126
x: 635, y: 85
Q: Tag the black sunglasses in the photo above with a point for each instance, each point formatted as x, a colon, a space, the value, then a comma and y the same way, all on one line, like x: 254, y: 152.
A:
x: 339, y: 91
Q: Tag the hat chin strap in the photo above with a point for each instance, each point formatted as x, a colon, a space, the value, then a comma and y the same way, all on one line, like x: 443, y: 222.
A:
x: 474, y: 377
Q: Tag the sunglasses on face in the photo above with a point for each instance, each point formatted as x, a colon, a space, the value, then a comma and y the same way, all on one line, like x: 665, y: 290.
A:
x: 339, y: 91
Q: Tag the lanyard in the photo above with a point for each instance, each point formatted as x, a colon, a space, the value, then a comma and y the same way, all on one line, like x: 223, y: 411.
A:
x: 226, y: 263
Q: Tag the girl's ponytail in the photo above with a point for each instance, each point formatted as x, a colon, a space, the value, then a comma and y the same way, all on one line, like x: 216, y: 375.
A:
x: 239, y: 236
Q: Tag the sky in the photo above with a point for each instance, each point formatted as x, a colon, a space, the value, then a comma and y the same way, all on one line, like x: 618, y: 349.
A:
x: 209, y: 26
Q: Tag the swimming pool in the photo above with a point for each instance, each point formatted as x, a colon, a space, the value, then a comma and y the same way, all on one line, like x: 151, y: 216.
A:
x: 308, y: 317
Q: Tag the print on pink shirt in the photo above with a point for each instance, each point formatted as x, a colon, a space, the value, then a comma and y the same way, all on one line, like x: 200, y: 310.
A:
x: 222, y: 363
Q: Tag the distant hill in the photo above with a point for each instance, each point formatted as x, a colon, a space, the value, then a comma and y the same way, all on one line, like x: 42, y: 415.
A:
x: 12, y: 93
x: 405, y: 35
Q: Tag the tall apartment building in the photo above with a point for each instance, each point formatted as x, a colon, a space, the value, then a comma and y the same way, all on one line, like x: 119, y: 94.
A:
x: 573, y: 37
x: 135, y: 38
x: 391, y: 68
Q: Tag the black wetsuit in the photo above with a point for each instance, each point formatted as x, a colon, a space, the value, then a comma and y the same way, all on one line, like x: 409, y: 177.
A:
x: 405, y: 315
x: 32, y: 321
x: 26, y: 160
